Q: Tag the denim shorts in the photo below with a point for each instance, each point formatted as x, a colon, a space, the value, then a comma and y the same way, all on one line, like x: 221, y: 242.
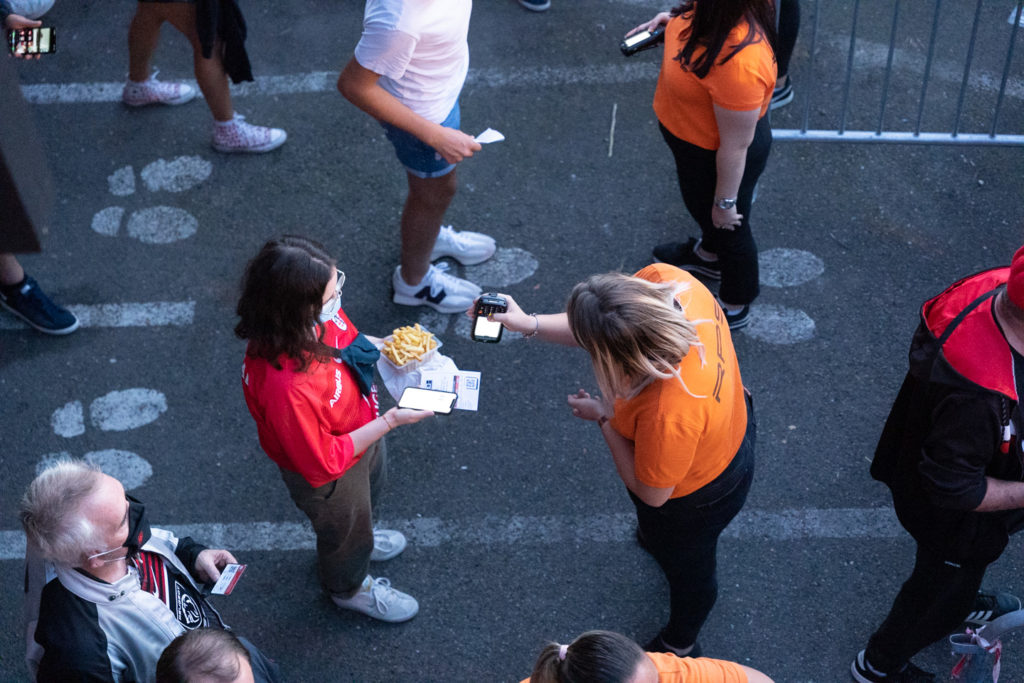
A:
x: 418, y: 157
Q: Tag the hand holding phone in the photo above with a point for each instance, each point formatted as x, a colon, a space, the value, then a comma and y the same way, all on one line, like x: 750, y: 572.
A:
x: 485, y: 329
x: 642, y: 40
x: 432, y: 400
x: 24, y: 42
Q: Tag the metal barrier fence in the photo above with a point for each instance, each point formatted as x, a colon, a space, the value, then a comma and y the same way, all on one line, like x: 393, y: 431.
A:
x: 855, y: 89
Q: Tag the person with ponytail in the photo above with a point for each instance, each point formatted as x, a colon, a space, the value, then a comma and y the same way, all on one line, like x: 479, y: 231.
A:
x: 674, y: 414
x: 609, y: 657
x: 716, y: 83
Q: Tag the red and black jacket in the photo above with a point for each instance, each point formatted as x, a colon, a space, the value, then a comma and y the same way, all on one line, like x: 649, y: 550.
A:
x: 954, y: 423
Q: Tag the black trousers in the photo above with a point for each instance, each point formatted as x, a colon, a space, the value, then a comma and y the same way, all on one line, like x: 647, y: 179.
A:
x: 736, y: 249
x: 682, y: 535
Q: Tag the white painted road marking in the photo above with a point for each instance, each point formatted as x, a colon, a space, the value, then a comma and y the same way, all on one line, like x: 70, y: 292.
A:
x: 788, y: 267
x: 128, y: 468
x: 869, y: 54
x: 433, y: 532
x: 779, y: 325
x: 120, y: 411
x: 153, y: 314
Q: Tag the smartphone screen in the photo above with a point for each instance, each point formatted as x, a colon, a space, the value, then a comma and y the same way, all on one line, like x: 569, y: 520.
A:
x: 486, y: 330
x: 636, y: 38
x: 435, y: 401
x: 32, y: 41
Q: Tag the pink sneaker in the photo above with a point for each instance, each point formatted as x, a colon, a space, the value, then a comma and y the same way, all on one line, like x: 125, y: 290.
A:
x: 156, y: 92
x: 238, y: 136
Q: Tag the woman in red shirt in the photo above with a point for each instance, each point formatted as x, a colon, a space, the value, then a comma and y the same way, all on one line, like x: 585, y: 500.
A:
x: 716, y: 82
x: 308, y: 383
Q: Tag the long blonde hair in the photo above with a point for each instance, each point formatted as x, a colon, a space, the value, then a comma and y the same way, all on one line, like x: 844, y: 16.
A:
x: 634, y: 330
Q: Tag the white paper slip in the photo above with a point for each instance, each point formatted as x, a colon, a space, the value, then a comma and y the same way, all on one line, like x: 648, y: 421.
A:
x: 466, y: 384
x: 228, y: 578
x: 489, y: 135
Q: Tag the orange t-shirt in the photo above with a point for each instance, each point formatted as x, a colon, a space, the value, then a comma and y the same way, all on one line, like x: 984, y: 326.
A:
x: 672, y: 669
x: 684, y: 103
x: 686, y: 439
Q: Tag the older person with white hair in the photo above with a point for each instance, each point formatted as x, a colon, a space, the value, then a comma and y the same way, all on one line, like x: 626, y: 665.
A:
x: 122, y: 590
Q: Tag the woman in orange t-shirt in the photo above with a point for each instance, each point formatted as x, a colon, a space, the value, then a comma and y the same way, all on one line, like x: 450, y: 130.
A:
x: 609, y: 657
x: 716, y: 82
x: 675, y: 417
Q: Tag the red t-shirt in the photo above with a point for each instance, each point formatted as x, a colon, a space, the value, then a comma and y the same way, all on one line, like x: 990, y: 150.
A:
x: 303, y: 418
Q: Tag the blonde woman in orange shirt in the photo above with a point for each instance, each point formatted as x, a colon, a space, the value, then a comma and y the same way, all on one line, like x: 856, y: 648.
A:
x: 716, y: 82
x: 674, y: 414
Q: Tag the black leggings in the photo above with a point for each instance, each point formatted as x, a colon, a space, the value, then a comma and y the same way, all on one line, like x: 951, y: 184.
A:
x: 789, y: 26
x: 736, y: 249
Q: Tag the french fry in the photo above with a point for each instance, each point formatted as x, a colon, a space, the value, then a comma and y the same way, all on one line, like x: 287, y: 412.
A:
x: 409, y: 343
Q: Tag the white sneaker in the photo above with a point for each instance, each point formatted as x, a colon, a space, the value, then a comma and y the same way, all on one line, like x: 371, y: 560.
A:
x: 387, y: 544
x: 468, y: 248
x: 238, y: 136
x: 153, y: 91
x: 443, y: 292
x: 379, y: 600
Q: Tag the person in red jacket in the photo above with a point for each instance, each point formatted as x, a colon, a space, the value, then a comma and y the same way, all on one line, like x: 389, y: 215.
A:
x: 951, y: 455
x: 308, y: 383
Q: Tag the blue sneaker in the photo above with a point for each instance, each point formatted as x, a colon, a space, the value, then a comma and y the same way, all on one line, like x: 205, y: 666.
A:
x: 31, y: 304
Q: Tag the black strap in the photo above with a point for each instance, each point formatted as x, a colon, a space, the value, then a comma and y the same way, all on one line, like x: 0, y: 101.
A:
x: 964, y: 313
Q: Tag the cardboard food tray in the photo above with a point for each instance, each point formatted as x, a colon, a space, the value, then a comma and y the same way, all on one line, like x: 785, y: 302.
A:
x: 413, y: 364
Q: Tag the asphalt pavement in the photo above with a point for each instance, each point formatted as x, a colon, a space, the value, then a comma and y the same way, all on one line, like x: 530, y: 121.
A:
x: 520, y: 531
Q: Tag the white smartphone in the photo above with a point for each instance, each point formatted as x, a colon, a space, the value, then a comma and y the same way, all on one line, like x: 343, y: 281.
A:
x: 417, y: 398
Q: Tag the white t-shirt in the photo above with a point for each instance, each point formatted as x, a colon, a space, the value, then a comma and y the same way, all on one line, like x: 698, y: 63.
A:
x: 419, y: 49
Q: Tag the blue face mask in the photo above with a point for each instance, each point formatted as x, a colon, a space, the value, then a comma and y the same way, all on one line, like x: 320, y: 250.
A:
x: 330, y: 309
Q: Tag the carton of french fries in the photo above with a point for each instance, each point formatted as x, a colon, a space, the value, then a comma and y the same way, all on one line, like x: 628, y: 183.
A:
x: 409, y: 345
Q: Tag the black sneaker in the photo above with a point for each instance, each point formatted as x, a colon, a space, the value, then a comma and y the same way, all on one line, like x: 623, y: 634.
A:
x: 685, y: 256
x: 739, y: 319
x: 782, y: 96
x: 658, y: 644
x: 990, y: 606
x: 31, y: 304
x: 862, y: 672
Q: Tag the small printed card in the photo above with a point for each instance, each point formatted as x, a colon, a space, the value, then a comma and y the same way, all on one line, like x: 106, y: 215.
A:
x: 228, y: 578
x: 466, y: 384
x: 489, y: 135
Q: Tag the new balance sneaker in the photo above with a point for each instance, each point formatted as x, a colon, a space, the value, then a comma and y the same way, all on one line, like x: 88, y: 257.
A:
x: 443, y: 292
x: 153, y: 91
x: 535, y: 5
x: 387, y: 544
x: 379, y: 600
x: 238, y: 136
x: 468, y: 248
x: 31, y: 304
x: 685, y: 256
x: 782, y: 96
x: 990, y: 606
x: 862, y: 672
x: 738, y: 319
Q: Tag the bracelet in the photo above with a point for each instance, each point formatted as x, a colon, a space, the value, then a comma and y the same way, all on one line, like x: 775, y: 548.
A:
x: 536, y: 327
x: 601, y: 420
x: 387, y: 421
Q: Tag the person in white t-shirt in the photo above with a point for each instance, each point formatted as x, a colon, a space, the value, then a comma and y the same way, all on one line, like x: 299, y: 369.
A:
x: 407, y: 72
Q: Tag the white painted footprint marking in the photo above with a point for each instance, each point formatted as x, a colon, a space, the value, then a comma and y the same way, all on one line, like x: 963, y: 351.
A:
x: 116, y: 411
x: 157, y: 224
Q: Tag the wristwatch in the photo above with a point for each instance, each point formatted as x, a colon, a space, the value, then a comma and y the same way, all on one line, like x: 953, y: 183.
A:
x: 725, y: 203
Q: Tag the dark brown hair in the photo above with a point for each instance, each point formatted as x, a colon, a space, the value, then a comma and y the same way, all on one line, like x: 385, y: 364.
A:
x: 594, y: 657
x: 712, y: 21
x: 282, y: 295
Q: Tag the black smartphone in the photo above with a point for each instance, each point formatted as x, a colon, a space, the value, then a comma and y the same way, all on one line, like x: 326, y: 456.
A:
x: 642, y: 40
x: 32, y: 41
x: 485, y: 330
x: 417, y: 398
